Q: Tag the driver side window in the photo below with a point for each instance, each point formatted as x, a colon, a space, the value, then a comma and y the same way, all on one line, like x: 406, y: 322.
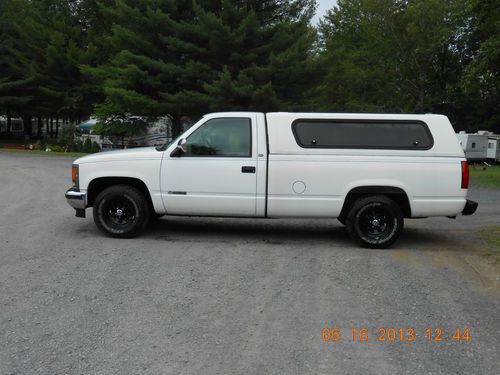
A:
x: 222, y: 137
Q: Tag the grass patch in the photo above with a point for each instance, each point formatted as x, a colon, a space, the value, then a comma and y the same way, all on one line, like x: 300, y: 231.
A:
x: 487, y: 177
x: 39, y: 152
x: 491, y: 236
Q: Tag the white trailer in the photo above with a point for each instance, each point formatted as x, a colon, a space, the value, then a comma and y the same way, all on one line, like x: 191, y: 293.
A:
x: 493, y: 152
x: 474, y: 145
x: 16, y: 125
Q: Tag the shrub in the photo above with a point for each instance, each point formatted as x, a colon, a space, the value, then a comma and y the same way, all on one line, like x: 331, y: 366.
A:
x: 87, y: 146
x: 67, y: 135
x: 95, y: 147
x: 38, y: 146
x: 57, y: 148
x: 77, y: 146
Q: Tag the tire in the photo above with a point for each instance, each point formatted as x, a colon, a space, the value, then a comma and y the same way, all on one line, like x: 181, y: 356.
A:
x: 121, y: 211
x: 375, y: 221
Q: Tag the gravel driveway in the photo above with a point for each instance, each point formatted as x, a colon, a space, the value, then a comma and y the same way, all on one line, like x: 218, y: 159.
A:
x: 229, y: 296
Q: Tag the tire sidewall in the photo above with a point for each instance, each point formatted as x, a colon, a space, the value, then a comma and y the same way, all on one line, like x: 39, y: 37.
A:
x: 134, y: 198
x: 360, y: 206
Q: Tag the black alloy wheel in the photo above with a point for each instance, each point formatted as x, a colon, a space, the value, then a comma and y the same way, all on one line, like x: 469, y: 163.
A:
x: 121, y: 211
x: 375, y: 221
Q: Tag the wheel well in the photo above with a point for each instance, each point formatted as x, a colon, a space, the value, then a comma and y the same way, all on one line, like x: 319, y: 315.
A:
x: 398, y: 195
x: 99, y: 184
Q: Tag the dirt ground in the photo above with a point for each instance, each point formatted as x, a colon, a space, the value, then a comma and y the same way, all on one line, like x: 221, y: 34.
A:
x: 229, y: 296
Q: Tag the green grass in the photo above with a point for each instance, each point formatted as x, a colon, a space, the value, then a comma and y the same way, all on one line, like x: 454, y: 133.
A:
x: 491, y: 235
x: 487, y: 177
x: 39, y: 152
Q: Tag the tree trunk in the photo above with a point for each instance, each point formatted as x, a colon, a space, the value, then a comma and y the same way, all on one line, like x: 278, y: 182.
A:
x: 51, y: 127
x: 39, y: 129
x: 9, y: 122
x: 176, y: 126
x: 57, y: 127
x: 27, y: 128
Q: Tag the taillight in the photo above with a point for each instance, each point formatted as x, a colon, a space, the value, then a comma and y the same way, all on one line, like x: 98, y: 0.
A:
x: 74, y: 175
x: 465, y: 175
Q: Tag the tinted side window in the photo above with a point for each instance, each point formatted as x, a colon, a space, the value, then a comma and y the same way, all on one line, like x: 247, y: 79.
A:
x: 362, y: 134
x: 224, y: 137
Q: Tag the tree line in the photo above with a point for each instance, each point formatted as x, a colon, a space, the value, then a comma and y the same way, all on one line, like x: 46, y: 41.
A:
x: 69, y: 59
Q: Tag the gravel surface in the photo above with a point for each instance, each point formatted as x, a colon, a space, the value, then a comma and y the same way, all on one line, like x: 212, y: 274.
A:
x: 235, y: 296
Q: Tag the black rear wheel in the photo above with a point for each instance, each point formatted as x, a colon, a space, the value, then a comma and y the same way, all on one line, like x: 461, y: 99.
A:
x: 121, y: 211
x: 375, y: 221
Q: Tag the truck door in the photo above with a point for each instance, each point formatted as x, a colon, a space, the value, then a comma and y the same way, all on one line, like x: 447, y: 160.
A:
x: 216, y: 175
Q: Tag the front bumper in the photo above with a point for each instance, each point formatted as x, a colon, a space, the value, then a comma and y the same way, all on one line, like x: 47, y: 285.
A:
x: 470, y: 207
x: 77, y: 200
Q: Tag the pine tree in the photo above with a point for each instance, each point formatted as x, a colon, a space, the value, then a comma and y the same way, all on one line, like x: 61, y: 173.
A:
x: 182, y: 58
x: 17, y: 73
x: 261, y: 53
x: 41, y: 49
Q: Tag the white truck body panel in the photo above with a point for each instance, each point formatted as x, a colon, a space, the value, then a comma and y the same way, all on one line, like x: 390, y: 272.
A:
x: 329, y: 174
x: 140, y: 163
x: 211, y: 186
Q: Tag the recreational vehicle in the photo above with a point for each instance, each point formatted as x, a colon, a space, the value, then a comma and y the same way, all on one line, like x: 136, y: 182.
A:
x: 474, y: 145
x: 493, y: 153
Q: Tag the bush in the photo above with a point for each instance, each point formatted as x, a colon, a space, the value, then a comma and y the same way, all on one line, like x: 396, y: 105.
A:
x: 57, y: 148
x: 87, y: 146
x: 37, y: 146
x: 67, y: 135
x: 77, y: 146
x: 95, y: 147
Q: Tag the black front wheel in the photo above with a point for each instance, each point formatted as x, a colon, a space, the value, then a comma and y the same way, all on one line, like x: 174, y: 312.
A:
x: 121, y: 211
x: 375, y: 221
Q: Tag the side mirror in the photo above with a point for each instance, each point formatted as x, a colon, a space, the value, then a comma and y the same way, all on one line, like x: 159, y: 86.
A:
x: 179, y: 149
x: 181, y: 145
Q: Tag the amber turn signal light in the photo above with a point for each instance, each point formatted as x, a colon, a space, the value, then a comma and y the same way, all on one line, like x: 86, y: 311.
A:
x: 74, y: 175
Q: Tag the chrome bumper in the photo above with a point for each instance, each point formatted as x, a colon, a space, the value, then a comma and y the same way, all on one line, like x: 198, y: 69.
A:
x: 77, y: 200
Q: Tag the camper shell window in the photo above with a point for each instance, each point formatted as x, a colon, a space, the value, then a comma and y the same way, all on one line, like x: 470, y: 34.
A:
x: 375, y: 134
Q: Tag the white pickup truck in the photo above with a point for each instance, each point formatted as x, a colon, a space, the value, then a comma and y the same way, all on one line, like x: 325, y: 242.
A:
x: 368, y: 170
